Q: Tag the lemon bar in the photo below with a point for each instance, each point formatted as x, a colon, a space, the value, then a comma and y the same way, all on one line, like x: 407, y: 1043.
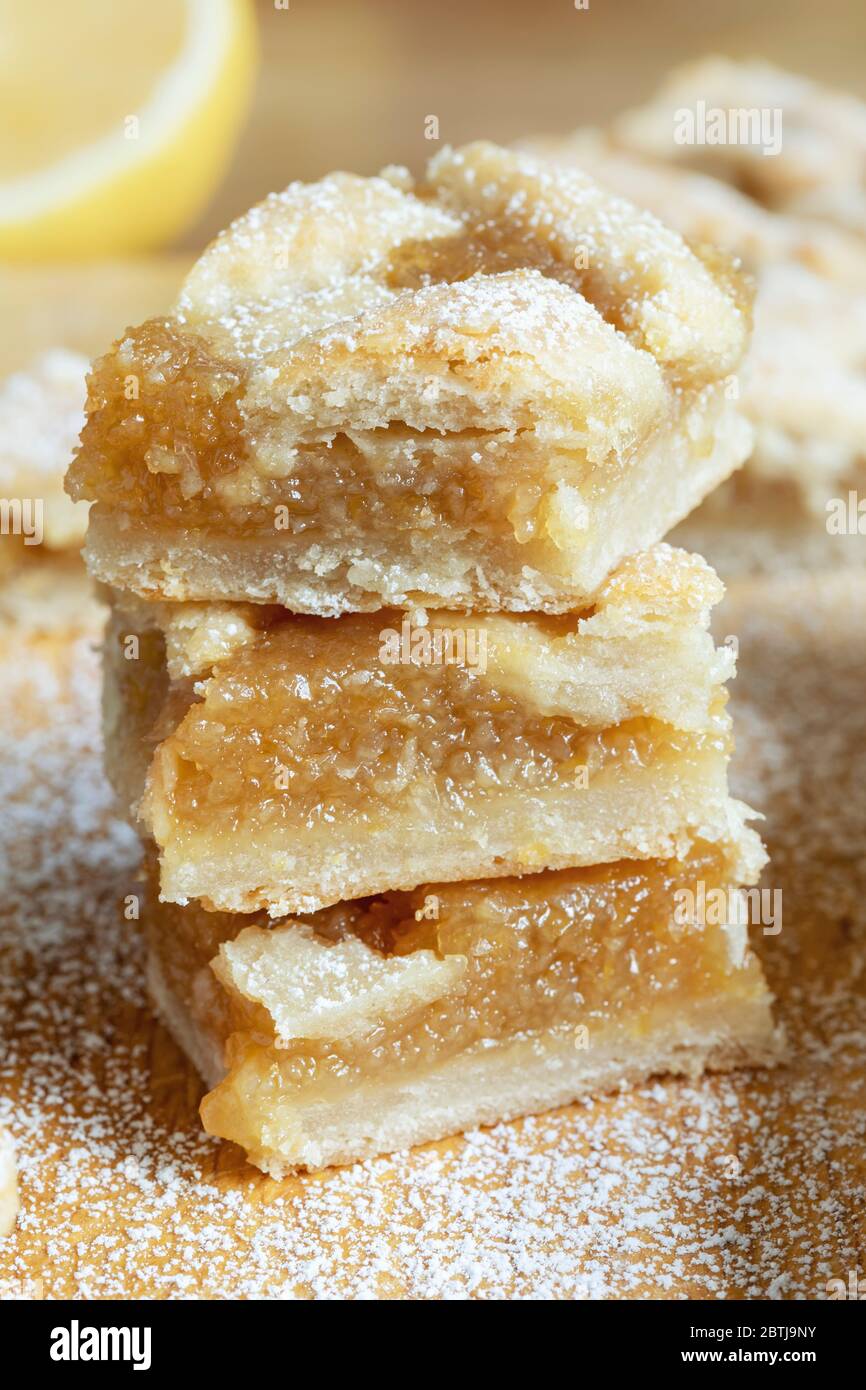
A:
x: 287, y: 762
x: 480, y: 391
x: 379, y: 1024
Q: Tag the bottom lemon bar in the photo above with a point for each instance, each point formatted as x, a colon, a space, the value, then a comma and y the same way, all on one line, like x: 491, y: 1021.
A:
x: 377, y: 1024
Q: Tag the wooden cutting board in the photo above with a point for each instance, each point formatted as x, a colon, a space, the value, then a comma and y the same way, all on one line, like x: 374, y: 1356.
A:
x: 744, y: 1185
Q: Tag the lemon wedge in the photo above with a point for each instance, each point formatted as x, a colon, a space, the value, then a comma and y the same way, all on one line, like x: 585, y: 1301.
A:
x: 116, y: 121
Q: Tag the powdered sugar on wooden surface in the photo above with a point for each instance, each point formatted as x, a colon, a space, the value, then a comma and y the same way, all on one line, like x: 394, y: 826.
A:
x: 749, y: 1184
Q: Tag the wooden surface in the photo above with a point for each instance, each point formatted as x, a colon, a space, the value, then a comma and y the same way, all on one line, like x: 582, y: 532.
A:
x: 746, y: 1185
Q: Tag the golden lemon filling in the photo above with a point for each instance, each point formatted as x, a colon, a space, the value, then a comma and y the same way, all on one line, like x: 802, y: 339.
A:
x: 572, y: 948
x: 185, y: 421
x: 187, y: 427
x: 250, y: 754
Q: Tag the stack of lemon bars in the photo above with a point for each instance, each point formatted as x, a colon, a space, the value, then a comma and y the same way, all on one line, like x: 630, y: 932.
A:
x: 423, y: 727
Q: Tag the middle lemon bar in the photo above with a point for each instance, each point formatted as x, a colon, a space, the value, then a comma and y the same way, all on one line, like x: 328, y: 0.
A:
x: 287, y: 763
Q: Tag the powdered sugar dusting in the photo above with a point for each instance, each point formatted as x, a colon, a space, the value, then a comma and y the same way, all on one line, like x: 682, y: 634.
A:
x: 316, y: 259
x: 749, y: 1184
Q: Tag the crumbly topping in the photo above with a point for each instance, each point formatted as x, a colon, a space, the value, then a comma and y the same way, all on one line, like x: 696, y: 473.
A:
x: 313, y: 990
x: 706, y: 211
x: 324, y: 254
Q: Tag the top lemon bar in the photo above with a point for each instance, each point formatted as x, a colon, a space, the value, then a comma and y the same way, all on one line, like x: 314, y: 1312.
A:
x: 482, y: 390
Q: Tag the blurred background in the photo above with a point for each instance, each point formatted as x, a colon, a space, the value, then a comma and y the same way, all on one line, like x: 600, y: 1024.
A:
x: 348, y: 83
x: 246, y: 95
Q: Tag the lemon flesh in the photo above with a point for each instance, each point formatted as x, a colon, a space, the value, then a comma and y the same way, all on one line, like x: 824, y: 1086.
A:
x: 117, y: 120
